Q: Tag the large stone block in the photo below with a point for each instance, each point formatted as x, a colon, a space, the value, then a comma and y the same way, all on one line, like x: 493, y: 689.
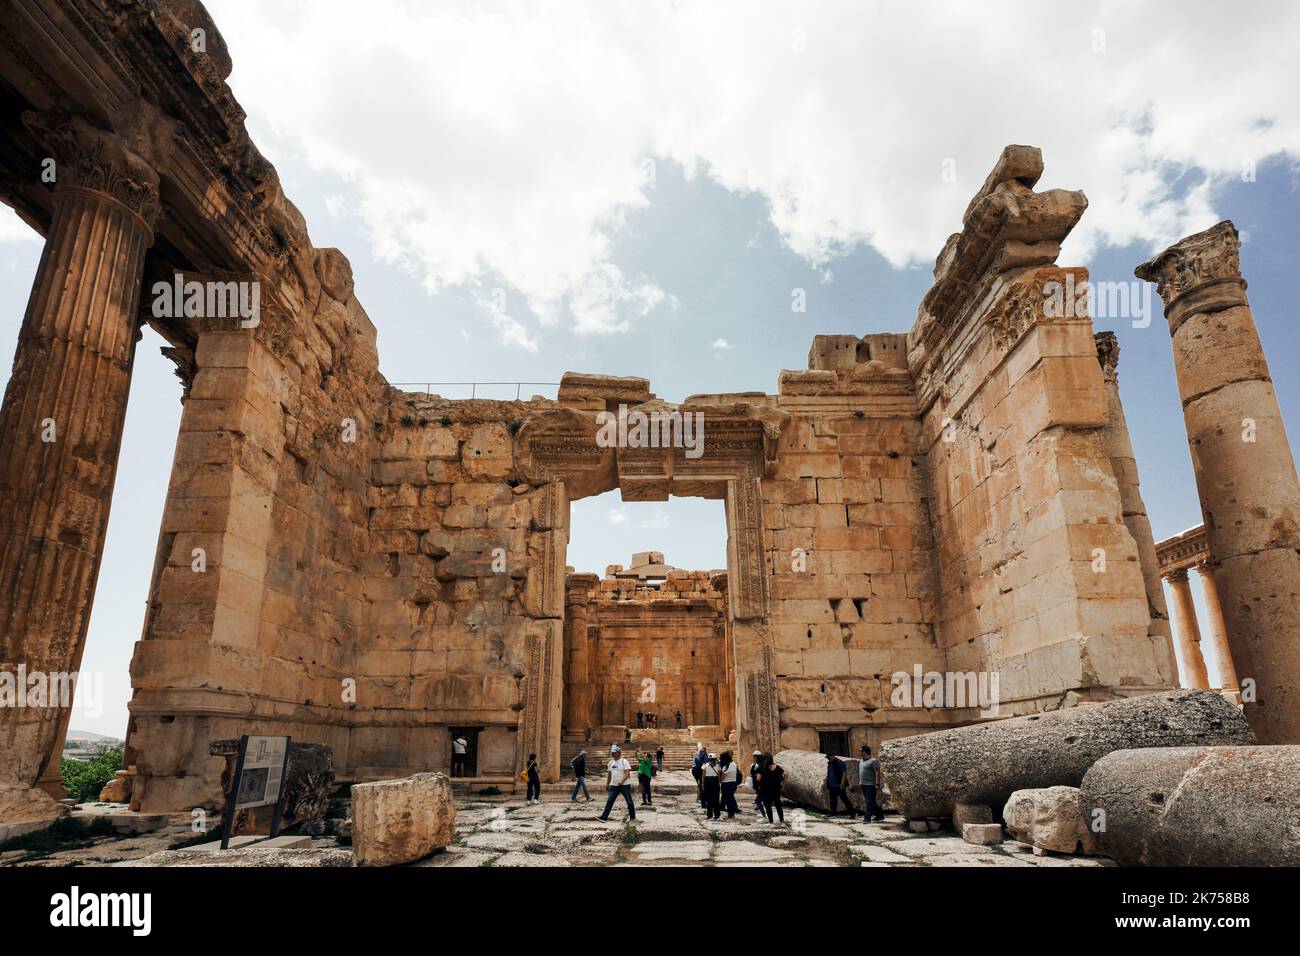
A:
x: 1050, y: 819
x: 1198, y: 806
x: 929, y: 774
x: 400, y: 821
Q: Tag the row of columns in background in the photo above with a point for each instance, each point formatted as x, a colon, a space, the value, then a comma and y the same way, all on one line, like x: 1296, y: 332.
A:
x: 1197, y: 648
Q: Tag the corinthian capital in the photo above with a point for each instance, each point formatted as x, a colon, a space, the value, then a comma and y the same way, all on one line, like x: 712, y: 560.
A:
x: 1207, y: 259
x: 100, y: 161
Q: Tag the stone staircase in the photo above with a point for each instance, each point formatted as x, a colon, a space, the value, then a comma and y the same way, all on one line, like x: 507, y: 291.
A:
x: 679, y: 747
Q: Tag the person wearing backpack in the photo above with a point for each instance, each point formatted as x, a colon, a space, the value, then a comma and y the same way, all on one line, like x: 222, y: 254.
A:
x: 711, y: 788
x: 579, y: 766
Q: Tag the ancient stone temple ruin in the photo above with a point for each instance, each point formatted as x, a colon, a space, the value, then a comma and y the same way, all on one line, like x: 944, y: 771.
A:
x: 373, y: 569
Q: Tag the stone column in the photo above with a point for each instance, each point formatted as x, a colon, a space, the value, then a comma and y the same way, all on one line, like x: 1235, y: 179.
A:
x: 1245, y: 472
x: 1189, y: 634
x: 1119, y: 448
x: 61, y: 429
x: 1227, y: 674
x: 578, y: 716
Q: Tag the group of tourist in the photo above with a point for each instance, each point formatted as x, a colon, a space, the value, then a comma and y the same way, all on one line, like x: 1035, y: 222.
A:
x: 717, y: 777
x: 837, y: 785
x: 651, y: 719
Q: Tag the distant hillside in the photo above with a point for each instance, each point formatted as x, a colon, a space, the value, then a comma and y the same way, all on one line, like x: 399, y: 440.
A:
x: 90, y: 738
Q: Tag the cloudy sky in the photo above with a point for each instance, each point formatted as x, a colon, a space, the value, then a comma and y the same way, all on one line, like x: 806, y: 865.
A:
x: 641, y: 188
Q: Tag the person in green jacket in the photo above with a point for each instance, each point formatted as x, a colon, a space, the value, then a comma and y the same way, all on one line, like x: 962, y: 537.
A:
x: 645, y: 769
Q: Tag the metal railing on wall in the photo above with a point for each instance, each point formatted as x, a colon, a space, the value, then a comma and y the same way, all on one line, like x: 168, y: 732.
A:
x: 428, y: 387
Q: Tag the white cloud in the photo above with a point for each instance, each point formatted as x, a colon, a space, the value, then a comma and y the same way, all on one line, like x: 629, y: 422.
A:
x: 721, y: 344
x: 511, y: 139
x: 617, y: 515
x: 13, y: 229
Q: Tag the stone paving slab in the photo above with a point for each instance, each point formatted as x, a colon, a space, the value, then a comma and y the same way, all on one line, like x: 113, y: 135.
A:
x: 879, y: 854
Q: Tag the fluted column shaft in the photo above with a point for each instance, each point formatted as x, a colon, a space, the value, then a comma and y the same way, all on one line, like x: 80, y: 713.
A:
x: 1190, y: 658
x: 1215, y: 630
x: 1245, y: 472
x: 61, y: 426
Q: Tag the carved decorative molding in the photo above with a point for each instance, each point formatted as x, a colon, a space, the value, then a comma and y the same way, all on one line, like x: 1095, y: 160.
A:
x: 761, y: 702
x: 90, y: 158
x: 1183, y: 551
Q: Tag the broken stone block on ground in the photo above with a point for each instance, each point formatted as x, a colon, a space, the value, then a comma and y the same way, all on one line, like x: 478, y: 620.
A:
x: 400, y: 821
x: 1049, y: 818
x: 1198, y: 806
x: 929, y: 774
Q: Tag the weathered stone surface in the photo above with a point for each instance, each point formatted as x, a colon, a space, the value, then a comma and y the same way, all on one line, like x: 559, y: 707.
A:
x: 400, y: 821
x: 982, y: 834
x: 805, y: 779
x: 1049, y: 818
x: 929, y: 774
x: 964, y: 813
x: 1198, y: 806
x: 247, y: 857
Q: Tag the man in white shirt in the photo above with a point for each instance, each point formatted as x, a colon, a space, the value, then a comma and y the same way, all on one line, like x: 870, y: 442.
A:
x: 459, y: 749
x: 619, y: 781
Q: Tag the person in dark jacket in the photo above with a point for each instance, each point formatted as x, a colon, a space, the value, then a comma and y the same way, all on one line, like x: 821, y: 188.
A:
x: 579, y: 767
x: 729, y: 775
x: 659, y: 759
x: 770, y: 779
x: 836, y: 771
x: 697, y: 762
x: 534, y: 780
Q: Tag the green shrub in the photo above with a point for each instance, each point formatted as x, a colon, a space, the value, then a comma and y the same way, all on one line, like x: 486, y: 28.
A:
x: 85, y: 778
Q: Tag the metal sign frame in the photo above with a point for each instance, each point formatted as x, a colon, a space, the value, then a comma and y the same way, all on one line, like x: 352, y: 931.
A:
x: 232, y: 798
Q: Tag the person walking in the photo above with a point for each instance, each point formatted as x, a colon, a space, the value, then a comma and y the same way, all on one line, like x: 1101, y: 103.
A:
x: 710, y: 786
x: 644, y: 771
x: 618, y: 781
x: 678, y: 718
x: 639, y: 716
x: 729, y: 775
x: 697, y: 762
x: 837, y: 786
x: 459, y: 753
x: 770, y: 779
x: 579, y: 766
x: 755, y: 768
x: 659, y: 758
x: 534, y: 780
x: 868, y: 780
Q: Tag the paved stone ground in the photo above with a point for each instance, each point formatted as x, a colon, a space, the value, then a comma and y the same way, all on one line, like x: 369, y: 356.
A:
x: 504, y: 831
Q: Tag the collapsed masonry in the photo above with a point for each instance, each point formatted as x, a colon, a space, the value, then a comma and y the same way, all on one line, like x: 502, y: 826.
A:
x: 366, y: 568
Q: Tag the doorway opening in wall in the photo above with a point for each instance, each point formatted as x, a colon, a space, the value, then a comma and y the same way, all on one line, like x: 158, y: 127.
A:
x: 648, y: 661
x: 470, y: 736
x: 833, y: 742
